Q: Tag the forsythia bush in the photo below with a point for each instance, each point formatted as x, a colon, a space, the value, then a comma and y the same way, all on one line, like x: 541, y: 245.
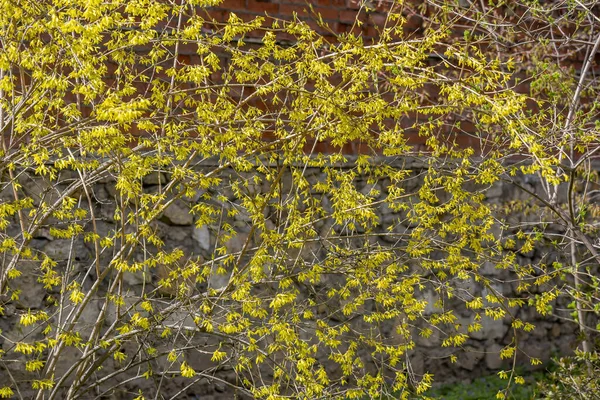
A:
x: 116, y: 114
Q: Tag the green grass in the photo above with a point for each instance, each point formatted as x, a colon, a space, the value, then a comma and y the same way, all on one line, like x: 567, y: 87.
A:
x: 486, y: 388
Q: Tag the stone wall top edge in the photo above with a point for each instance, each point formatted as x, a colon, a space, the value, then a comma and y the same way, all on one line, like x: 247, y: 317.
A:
x: 395, y: 161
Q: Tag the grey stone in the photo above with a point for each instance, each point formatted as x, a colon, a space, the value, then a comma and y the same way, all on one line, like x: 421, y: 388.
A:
x: 539, y: 350
x: 465, y: 322
x: 32, y: 292
x: 176, y: 229
x: 218, y: 281
x: 470, y: 358
x: 99, y: 193
x: 202, y: 236
x: 111, y: 189
x: 242, y: 216
x: 136, y: 278
x: 236, y: 243
x: 431, y: 299
x: 104, y: 229
x: 369, y: 188
x: 178, y: 234
x: 541, y: 330
x: 494, y: 289
x: 466, y: 285
x: 88, y: 317
x: 567, y: 345
x: 492, y: 357
x: 220, y: 387
x: 62, y: 249
x: 495, y: 191
x: 155, y: 178
x: 492, y: 328
x: 178, y: 213
x: 39, y: 190
x: 488, y: 268
x: 433, y: 341
x: 43, y: 233
x: 555, y: 331
x: 415, y: 363
x: 107, y: 211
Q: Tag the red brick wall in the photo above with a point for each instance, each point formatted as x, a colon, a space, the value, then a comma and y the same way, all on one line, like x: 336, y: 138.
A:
x: 339, y: 15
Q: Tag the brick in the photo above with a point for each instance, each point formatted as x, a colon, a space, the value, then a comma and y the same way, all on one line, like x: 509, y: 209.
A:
x: 467, y: 126
x: 184, y: 59
x: 347, y: 16
x: 259, y: 104
x: 532, y: 105
x: 245, y: 16
x: 523, y: 85
x: 268, y: 136
x: 216, y: 15
x: 111, y: 68
x: 314, y: 25
x: 327, y: 13
x: 329, y: 38
x: 257, y: 33
x: 216, y: 76
x: 377, y: 19
x: 310, y: 147
x: 372, y: 32
x: 348, y: 28
x: 355, y: 148
x: 233, y: 5
x: 383, y: 6
x: 195, y: 59
x: 288, y: 10
x: 86, y: 111
x: 464, y: 140
x: 262, y: 7
x: 414, y: 23
x: 353, y: 4
x: 188, y: 48
x: 414, y: 139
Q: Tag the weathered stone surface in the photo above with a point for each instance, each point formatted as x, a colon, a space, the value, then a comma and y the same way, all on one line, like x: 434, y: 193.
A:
x: 415, y: 362
x: 178, y: 213
x: 136, y: 278
x: 32, y: 293
x: 488, y: 268
x: 218, y: 281
x: 495, y: 191
x: 471, y: 357
x: 431, y: 299
x: 39, y: 190
x: 111, y: 189
x: 492, y: 357
x: 155, y: 178
x: 176, y: 229
x: 432, y: 341
x: 107, y: 211
x: 177, y: 235
x: 43, y: 233
x: 493, y: 328
x: 236, y: 243
x: 539, y: 350
x: 555, y: 331
x: 202, y: 237
x: 65, y: 249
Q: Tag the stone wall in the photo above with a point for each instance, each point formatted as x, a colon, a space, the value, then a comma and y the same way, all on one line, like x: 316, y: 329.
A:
x: 177, y: 228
